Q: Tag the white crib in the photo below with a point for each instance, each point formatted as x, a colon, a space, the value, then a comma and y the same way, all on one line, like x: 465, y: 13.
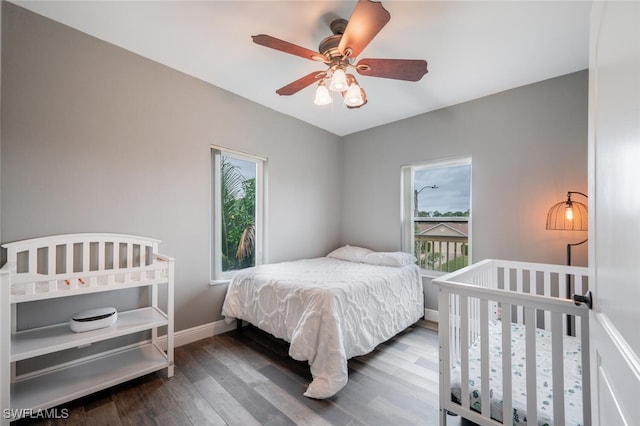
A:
x: 497, y: 304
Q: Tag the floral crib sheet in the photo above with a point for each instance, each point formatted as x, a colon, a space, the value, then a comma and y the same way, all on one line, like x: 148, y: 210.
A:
x: 572, y: 376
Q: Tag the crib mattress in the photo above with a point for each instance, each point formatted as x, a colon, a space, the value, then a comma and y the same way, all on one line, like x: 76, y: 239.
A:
x: 572, y: 376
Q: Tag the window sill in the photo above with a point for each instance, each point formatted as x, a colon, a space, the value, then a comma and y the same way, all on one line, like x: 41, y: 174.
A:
x: 220, y: 282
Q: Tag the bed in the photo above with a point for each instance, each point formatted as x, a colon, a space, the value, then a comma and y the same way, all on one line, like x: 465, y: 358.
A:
x: 512, y: 346
x: 330, y: 308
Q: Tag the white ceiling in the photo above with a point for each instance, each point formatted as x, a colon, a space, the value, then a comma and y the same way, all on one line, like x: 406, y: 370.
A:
x: 473, y: 48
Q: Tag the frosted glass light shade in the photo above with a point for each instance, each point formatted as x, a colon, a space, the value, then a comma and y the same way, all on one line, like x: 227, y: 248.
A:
x: 353, y: 97
x: 338, y: 81
x: 323, y: 97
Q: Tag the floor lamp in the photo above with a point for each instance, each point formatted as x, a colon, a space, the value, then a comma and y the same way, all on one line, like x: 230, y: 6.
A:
x: 569, y: 215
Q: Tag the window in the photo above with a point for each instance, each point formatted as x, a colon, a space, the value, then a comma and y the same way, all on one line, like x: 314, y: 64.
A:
x: 238, y: 212
x: 436, y: 213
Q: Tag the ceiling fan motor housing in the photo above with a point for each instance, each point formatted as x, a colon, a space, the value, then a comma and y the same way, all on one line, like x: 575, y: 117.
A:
x: 338, y: 26
x: 329, y: 46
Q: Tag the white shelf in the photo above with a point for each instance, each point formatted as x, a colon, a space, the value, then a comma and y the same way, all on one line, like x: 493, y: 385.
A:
x: 59, y: 386
x: 86, y: 257
x: 42, y: 294
x: 53, y: 338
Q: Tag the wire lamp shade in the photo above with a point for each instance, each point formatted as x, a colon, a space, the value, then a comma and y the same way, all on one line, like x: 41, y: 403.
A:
x: 568, y: 215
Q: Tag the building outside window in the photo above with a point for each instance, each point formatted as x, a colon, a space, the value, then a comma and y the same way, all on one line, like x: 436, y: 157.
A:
x: 238, y: 212
x: 436, y: 213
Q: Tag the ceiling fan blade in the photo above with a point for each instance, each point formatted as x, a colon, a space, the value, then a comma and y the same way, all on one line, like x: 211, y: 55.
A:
x: 301, y: 83
x: 285, y: 46
x: 398, y: 69
x: 366, y: 21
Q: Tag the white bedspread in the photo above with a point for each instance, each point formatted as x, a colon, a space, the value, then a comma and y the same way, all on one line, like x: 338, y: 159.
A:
x: 329, y: 310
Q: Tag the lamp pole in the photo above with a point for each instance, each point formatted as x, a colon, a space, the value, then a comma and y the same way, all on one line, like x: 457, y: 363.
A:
x: 415, y: 197
x: 569, y: 215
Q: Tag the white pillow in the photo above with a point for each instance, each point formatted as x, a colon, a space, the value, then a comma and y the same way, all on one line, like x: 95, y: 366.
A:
x: 395, y: 258
x: 350, y: 253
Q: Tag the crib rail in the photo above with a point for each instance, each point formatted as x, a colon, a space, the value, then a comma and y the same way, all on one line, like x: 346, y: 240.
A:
x: 505, y: 296
x: 81, y: 263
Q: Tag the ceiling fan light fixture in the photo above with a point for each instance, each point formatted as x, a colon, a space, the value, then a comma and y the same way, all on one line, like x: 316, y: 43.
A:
x: 354, y: 95
x: 339, y: 52
x: 323, y: 97
x: 338, y: 81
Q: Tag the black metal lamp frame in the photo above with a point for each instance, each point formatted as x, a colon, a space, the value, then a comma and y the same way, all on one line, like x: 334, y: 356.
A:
x: 556, y: 220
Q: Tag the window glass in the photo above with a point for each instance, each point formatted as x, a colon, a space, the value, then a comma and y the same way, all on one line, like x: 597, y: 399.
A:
x: 237, y: 208
x: 238, y: 213
x: 436, y: 213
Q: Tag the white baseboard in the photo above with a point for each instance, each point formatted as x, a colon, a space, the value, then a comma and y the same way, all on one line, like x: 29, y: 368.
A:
x: 431, y: 315
x: 200, y: 332
x: 190, y: 335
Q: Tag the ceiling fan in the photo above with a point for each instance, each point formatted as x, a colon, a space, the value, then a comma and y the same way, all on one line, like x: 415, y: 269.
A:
x: 338, y: 53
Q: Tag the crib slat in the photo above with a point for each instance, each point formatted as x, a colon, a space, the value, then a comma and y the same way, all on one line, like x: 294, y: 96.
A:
x: 505, y: 278
x: 579, y: 288
x: 547, y: 292
x: 445, y: 339
x: 562, y: 290
x: 453, y: 328
x: 464, y: 350
x: 530, y: 332
x: 565, y: 292
x: 507, y: 405
x: 457, y: 322
x: 473, y: 318
x: 484, y: 351
x: 557, y: 368
x: 519, y: 309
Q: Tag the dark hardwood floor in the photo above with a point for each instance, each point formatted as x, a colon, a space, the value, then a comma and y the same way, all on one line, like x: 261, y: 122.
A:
x: 247, y: 378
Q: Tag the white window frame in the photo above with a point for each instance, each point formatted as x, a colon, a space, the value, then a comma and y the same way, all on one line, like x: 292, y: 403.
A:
x: 217, y: 152
x: 407, y: 202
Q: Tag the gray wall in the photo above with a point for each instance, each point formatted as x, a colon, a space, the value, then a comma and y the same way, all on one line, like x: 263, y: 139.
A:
x: 1, y: 120
x: 96, y: 138
x: 528, y: 147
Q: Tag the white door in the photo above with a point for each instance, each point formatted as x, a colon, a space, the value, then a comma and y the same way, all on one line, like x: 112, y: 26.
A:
x: 614, y: 186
